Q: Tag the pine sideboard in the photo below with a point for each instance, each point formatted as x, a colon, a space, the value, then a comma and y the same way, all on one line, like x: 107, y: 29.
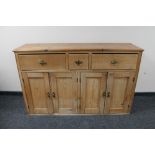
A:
x: 78, y: 78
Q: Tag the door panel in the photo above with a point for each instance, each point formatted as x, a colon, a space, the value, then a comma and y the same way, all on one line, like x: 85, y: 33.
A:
x: 93, y: 86
x: 37, y: 89
x: 119, y: 88
x: 64, y: 86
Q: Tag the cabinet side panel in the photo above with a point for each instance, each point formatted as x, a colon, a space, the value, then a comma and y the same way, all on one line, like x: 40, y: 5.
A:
x: 135, y: 81
x: 22, y: 84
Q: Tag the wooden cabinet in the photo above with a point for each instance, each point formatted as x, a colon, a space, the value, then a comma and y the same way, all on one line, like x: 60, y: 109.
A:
x: 78, y: 78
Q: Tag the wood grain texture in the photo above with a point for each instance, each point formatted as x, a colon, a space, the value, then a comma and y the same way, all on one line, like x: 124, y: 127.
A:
x: 135, y: 81
x: 93, y: 86
x: 119, y: 87
x: 74, y: 58
x: 64, y: 86
x: 22, y: 84
x: 77, y: 46
x: 43, y: 61
x: 114, y: 61
x: 37, y: 88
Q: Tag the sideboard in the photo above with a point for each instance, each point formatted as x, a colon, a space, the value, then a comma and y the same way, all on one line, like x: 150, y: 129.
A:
x: 78, y: 78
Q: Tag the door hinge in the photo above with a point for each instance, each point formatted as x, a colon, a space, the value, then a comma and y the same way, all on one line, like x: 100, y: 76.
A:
x: 28, y: 106
x: 133, y: 79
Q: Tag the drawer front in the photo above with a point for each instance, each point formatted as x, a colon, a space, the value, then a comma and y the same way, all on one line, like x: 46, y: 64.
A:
x: 78, y: 61
x: 43, y: 61
x: 114, y: 61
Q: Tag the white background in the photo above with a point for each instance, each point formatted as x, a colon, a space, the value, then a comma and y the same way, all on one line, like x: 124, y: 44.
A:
x: 12, y: 37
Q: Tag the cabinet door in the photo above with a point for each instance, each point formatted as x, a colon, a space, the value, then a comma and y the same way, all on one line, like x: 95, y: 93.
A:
x: 93, y: 87
x: 119, y: 91
x: 64, y: 92
x: 37, y: 90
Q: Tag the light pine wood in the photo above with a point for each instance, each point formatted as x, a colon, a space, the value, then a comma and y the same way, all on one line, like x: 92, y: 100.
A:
x: 43, y: 61
x: 93, y: 78
x: 93, y: 87
x: 114, y: 61
x: 135, y: 81
x: 64, y: 92
x: 22, y: 84
x: 78, y: 46
x: 75, y: 58
x: 119, y: 91
x: 37, y: 90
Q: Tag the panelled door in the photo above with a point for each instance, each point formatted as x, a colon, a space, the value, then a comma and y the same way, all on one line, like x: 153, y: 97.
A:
x: 119, y: 91
x: 37, y: 90
x: 93, y: 88
x: 85, y: 93
x: 64, y: 92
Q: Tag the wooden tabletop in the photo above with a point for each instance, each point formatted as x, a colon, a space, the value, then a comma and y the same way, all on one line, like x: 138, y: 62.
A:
x: 77, y: 46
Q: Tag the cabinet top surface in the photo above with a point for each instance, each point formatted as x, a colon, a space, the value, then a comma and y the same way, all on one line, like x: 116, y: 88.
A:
x: 77, y: 47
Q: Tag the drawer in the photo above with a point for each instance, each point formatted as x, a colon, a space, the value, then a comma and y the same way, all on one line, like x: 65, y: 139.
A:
x: 114, y: 61
x: 78, y: 61
x: 43, y: 61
